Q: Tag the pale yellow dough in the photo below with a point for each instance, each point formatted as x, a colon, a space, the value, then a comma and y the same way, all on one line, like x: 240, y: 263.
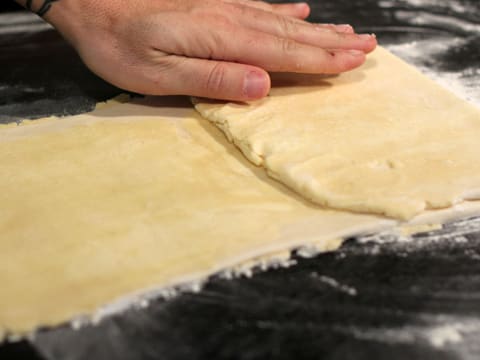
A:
x: 132, y: 197
x: 382, y: 139
x: 146, y: 195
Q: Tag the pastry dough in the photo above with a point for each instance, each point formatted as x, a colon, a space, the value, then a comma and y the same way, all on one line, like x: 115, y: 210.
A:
x: 133, y: 197
x: 383, y: 139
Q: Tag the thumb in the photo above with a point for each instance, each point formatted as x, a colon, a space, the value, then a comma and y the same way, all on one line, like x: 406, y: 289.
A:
x: 214, y: 79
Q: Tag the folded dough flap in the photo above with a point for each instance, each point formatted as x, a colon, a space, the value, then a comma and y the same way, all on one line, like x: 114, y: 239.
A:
x: 381, y: 139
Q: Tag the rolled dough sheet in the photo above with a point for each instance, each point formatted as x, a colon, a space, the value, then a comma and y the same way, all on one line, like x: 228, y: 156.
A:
x: 133, y: 197
x: 382, y: 139
x: 137, y: 197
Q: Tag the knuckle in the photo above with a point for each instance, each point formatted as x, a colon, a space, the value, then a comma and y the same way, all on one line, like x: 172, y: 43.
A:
x: 212, y: 47
x: 287, y: 27
x: 165, y: 67
x: 216, y: 78
x: 264, y: 5
x: 288, y: 47
x: 221, y: 21
x: 167, y: 63
x: 341, y: 38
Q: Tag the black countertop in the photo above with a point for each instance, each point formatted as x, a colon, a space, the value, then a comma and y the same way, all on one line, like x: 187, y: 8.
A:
x: 378, y: 297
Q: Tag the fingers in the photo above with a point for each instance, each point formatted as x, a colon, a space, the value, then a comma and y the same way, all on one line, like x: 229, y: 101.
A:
x: 296, y: 10
x: 206, y: 62
x: 211, y: 79
x: 284, y: 55
x: 324, y: 36
x: 343, y: 28
x: 177, y: 75
x: 258, y: 49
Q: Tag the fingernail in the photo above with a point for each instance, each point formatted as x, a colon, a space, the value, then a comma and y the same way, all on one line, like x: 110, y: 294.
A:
x: 366, y: 37
x: 300, y: 5
x: 344, y: 28
x: 356, y: 52
x: 254, y: 85
x: 328, y: 28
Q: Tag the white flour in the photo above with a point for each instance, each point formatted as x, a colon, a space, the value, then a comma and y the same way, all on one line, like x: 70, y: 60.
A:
x: 444, y: 332
x: 454, y: 5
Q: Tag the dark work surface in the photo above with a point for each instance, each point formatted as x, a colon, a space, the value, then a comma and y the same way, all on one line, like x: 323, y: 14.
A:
x: 9, y: 6
x: 416, y: 299
x: 383, y: 297
x: 41, y: 75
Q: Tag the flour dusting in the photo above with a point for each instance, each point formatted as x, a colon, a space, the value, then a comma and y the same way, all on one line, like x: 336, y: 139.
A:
x: 443, y: 333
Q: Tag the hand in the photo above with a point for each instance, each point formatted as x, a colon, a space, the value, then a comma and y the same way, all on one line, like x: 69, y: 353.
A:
x: 219, y: 49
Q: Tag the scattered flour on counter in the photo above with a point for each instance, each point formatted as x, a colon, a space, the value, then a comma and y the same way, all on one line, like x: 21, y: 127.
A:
x: 454, y: 5
x: 349, y: 290
x: 458, y: 6
x: 440, y: 334
x: 385, y: 237
x: 143, y: 298
x: 427, y: 19
x: 456, y: 233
